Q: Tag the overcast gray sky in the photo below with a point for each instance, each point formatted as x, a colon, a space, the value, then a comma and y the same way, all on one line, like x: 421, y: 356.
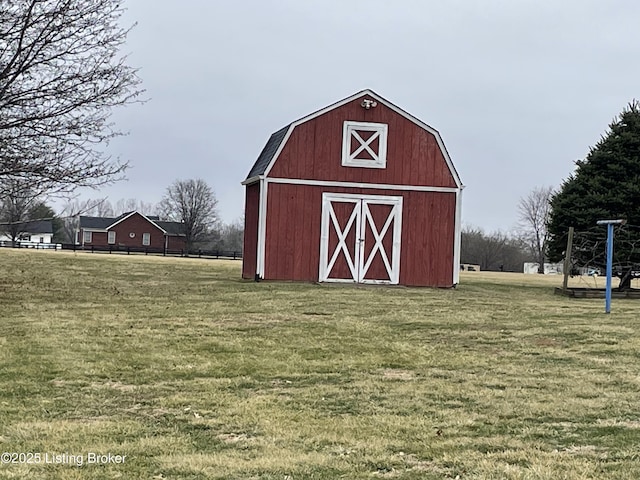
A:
x: 519, y: 89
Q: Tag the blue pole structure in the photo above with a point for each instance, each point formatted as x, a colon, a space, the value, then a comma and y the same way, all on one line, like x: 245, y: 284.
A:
x: 609, y: 224
x: 607, y: 302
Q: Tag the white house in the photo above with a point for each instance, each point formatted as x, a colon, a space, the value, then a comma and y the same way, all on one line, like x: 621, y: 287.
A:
x: 33, y: 233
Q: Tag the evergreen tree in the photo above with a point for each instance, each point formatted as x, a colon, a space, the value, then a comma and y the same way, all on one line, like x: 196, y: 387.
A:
x: 42, y: 211
x: 605, y: 185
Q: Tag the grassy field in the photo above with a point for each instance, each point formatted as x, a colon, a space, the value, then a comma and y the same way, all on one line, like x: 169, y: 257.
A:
x: 191, y: 373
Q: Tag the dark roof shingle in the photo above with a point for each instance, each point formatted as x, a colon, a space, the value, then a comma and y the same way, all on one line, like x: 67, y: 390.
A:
x: 96, y: 222
x: 32, y: 226
x: 268, y: 152
x: 172, y: 228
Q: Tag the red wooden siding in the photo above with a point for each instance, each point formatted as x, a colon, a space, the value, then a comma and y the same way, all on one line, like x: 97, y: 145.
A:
x: 251, y: 211
x: 292, y: 249
x: 314, y: 151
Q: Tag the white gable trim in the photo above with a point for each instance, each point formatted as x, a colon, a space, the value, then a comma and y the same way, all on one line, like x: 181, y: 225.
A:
x: 388, y: 104
x: 251, y: 180
x: 143, y: 216
x: 120, y: 220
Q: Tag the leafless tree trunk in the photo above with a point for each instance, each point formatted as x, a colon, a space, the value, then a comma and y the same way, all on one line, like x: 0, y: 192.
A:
x: 60, y: 77
x: 534, y: 212
x: 193, y: 203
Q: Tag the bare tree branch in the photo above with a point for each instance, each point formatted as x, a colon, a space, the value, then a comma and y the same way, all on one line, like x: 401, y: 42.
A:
x: 534, y: 210
x: 15, y: 207
x: 193, y: 203
x: 60, y: 77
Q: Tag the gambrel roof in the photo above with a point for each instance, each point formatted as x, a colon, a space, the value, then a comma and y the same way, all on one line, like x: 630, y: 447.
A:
x: 276, y: 142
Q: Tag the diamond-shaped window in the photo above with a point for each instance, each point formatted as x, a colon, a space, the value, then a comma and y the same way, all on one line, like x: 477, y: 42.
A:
x: 364, y: 145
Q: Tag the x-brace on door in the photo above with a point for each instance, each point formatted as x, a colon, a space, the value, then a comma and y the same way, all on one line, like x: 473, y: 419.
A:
x: 360, y: 238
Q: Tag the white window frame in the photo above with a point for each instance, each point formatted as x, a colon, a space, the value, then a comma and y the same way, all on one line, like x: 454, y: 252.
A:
x: 146, y: 239
x: 111, y: 237
x: 87, y: 236
x: 350, y: 130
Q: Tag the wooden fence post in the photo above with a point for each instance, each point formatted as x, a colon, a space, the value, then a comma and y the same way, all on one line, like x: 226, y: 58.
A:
x: 567, y: 260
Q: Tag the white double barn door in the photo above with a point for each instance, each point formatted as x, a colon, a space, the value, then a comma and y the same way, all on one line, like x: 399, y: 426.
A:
x: 360, y: 238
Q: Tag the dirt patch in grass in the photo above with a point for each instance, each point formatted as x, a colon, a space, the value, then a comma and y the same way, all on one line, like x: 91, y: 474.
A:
x: 398, y: 374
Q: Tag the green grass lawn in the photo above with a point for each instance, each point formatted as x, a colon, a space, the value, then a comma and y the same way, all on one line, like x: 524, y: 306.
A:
x: 191, y: 373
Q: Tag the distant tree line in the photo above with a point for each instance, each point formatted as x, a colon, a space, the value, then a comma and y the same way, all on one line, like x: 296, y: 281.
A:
x: 495, y: 251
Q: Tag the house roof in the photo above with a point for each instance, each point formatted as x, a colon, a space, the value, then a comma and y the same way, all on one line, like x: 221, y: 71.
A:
x: 171, y: 228
x: 35, y: 226
x: 38, y: 226
x: 104, y: 223
x: 99, y: 223
x: 277, y: 140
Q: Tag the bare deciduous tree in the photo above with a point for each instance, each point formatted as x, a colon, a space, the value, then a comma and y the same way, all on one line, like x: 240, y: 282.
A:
x: 16, y: 203
x: 534, y: 212
x: 133, y: 205
x: 492, y: 251
x: 231, y: 236
x: 193, y: 203
x: 60, y: 76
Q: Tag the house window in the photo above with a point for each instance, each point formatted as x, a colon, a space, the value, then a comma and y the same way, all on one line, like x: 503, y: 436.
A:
x: 146, y: 238
x: 364, y: 144
x: 111, y: 237
x: 87, y: 237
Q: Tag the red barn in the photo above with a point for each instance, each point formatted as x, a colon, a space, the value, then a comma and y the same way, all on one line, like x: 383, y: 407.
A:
x: 360, y: 191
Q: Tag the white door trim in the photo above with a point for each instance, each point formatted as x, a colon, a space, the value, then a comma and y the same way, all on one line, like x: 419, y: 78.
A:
x: 359, y: 218
x: 342, y: 235
x: 395, y: 216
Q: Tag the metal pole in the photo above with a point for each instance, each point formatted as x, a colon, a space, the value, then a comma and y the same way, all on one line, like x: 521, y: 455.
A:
x: 607, y: 307
x: 609, y: 224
